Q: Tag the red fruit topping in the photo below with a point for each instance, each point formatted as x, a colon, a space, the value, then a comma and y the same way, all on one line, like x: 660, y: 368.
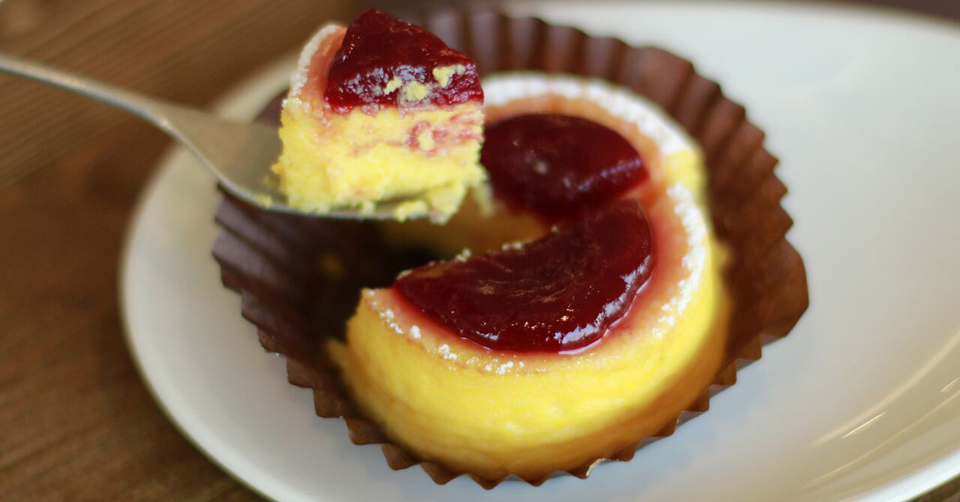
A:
x: 378, y: 48
x: 558, y: 293
x: 558, y: 166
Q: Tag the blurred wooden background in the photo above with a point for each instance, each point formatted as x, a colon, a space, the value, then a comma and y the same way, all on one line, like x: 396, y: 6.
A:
x: 76, y: 422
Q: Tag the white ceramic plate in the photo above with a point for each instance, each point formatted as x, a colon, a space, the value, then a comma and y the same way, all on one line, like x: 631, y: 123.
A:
x: 859, y: 402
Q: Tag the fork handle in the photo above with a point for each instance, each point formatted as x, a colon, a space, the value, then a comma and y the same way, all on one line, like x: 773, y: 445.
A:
x: 151, y: 110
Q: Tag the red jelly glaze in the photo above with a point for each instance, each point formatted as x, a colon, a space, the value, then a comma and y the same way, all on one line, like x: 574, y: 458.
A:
x: 377, y: 48
x: 559, y: 293
x: 558, y: 166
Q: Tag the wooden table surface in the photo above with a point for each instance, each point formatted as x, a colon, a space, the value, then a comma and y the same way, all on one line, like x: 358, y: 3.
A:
x: 76, y: 422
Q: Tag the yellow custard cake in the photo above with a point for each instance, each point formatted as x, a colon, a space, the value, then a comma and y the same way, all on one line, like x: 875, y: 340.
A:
x: 587, y: 310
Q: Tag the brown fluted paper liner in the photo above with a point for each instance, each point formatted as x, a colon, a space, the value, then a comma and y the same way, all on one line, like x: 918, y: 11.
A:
x: 274, y: 261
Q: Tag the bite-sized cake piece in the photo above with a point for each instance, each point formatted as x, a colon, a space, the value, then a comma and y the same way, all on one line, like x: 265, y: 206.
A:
x: 381, y: 110
x: 597, y: 329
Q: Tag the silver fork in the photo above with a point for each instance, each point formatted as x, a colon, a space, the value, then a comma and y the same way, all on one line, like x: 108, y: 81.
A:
x: 239, y: 154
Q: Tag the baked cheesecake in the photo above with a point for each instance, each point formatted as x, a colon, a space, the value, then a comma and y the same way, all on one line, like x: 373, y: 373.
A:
x: 378, y: 111
x: 586, y: 311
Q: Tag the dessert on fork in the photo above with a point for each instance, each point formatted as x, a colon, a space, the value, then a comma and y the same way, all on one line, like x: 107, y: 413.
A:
x: 378, y: 111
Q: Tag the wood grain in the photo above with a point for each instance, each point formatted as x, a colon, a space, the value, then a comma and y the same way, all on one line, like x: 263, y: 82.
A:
x: 76, y: 422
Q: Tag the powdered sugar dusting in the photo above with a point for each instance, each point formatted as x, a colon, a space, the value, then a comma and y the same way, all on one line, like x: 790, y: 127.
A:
x: 386, y: 314
x: 499, y: 90
x: 695, y: 260
x: 447, y: 354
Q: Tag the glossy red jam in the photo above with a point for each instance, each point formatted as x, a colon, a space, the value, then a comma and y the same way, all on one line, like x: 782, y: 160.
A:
x: 558, y: 293
x: 558, y: 166
x: 377, y: 48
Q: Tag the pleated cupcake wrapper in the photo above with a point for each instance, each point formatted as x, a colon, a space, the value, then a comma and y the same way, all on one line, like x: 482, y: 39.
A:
x: 272, y: 260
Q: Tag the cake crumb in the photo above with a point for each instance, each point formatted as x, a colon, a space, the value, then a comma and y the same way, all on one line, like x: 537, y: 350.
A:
x: 264, y: 200
x: 392, y: 85
x: 413, y: 91
x: 443, y: 74
x: 425, y: 140
x: 410, y: 208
